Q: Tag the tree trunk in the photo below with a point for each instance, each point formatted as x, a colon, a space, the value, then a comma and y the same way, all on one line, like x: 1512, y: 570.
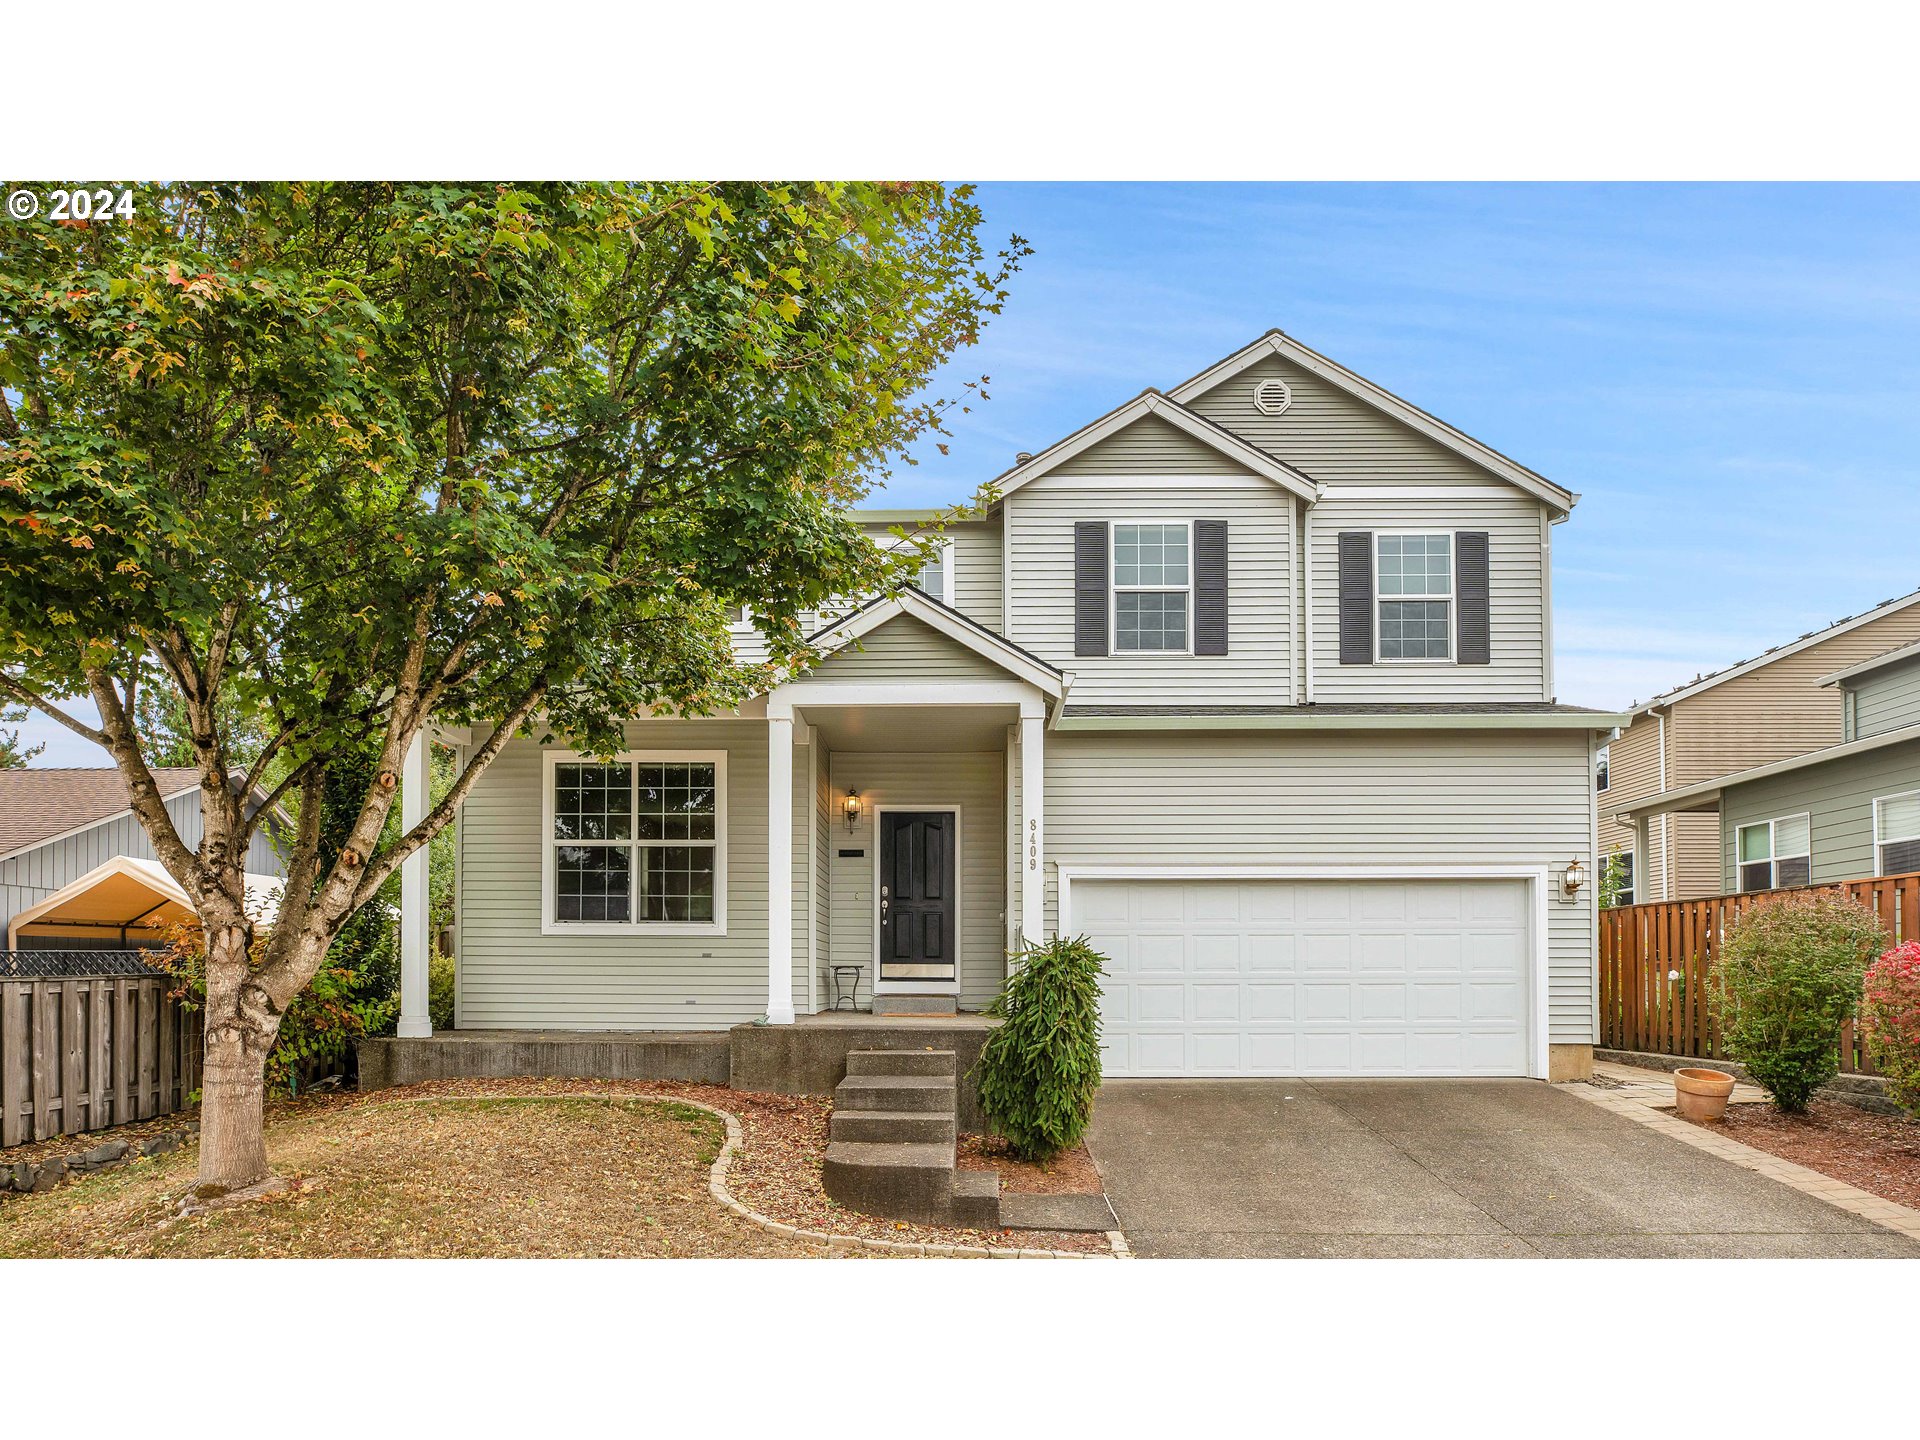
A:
x: 241, y: 1028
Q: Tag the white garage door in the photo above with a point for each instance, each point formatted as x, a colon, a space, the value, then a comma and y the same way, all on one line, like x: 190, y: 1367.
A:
x: 1310, y: 977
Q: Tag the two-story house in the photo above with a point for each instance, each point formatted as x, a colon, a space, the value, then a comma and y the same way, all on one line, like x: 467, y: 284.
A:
x: 1846, y: 811
x: 1250, y: 680
x: 1757, y: 712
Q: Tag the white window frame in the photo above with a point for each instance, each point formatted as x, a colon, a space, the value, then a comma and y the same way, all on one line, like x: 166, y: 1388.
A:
x: 945, y: 597
x: 550, y: 925
x: 1452, y: 599
x: 1115, y: 589
x: 1882, y: 840
x: 1627, y: 853
x: 1603, y: 765
x: 1774, y: 857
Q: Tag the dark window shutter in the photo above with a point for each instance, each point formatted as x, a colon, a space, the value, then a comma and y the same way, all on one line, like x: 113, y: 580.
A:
x: 1209, y: 587
x: 1090, y: 587
x: 1475, y: 592
x: 1356, y: 597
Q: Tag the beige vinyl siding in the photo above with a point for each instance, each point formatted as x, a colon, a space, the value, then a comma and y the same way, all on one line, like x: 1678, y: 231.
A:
x: 1778, y: 710
x: 1696, y: 856
x: 1838, y: 795
x: 802, y: 867
x: 1150, y: 446
x: 1259, y: 516
x: 906, y: 649
x: 824, y: 814
x: 1375, y: 799
x: 511, y: 975
x: 1331, y: 435
x: 1517, y: 581
x: 975, y: 782
x: 1887, y: 700
x: 977, y: 585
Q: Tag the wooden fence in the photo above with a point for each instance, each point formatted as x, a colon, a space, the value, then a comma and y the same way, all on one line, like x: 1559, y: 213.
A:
x: 84, y: 1053
x: 1656, y: 963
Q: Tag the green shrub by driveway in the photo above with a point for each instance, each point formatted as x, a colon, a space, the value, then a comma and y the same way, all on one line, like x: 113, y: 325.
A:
x: 1790, y: 974
x: 1039, y: 1070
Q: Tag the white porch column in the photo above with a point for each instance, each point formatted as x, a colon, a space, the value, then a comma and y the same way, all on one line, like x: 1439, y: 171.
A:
x: 414, y: 939
x: 779, y: 869
x: 1033, y: 780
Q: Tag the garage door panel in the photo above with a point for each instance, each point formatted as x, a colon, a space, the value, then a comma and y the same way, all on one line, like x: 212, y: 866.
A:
x: 1312, y: 977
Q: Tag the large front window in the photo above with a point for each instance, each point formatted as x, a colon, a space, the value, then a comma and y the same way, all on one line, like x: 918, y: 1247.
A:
x: 1152, y: 587
x: 637, y: 842
x: 1416, y: 597
x: 1775, y: 854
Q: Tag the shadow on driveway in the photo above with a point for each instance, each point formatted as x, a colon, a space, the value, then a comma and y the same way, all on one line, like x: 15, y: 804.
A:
x: 1413, y: 1168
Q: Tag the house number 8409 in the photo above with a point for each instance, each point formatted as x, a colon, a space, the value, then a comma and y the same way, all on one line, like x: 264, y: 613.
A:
x: 1033, y: 844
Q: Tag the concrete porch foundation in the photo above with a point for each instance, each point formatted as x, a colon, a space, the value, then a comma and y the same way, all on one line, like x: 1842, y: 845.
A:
x: 809, y: 1057
x: 694, y: 1055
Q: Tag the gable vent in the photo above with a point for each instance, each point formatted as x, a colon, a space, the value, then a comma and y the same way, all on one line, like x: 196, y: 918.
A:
x: 1272, y: 397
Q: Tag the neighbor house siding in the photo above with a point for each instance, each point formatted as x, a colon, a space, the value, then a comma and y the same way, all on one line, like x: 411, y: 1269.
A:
x: 27, y: 879
x: 1257, y: 668
x: 511, y: 975
x: 1838, y: 795
x: 906, y: 649
x: 1333, y: 436
x: 1887, y: 700
x: 975, y: 781
x: 1517, y: 600
x: 1380, y: 799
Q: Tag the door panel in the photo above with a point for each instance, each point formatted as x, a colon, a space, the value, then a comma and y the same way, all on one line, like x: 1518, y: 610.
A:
x: 916, y: 906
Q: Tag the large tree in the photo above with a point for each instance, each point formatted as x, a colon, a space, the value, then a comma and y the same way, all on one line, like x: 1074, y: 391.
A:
x: 366, y: 458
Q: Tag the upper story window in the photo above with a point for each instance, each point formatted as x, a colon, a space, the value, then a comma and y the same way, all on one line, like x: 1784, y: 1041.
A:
x: 1414, y: 583
x: 1776, y: 853
x: 638, y: 844
x: 1152, y: 587
x: 1896, y: 832
x: 1601, y: 778
x: 936, y: 575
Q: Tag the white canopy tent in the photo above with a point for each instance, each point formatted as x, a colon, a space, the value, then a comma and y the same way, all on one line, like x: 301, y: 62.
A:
x: 135, y: 899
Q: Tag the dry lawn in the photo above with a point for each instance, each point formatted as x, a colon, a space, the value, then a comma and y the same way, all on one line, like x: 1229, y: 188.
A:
x: 498, y: 1176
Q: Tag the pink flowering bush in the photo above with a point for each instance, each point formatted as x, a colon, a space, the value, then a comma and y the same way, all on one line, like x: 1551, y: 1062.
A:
x: 1893, y: 1020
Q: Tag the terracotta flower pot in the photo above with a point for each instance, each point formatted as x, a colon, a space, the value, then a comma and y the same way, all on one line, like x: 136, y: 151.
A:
x: 1702, y: 1094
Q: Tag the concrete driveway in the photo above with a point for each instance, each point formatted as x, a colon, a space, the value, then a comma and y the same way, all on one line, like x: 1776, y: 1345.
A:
x: 1484, y: 1168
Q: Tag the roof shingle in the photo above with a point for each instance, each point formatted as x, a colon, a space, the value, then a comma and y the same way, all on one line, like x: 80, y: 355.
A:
x: 36, y: 805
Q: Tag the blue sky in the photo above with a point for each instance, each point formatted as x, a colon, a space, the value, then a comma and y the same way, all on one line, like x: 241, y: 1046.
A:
x: 1726, y: 373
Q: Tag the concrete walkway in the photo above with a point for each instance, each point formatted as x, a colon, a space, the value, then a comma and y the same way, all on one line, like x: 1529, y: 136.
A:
x: 1410, y: 1168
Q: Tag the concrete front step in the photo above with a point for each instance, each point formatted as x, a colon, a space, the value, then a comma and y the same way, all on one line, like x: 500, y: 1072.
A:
x: 926, y: 1094
x: 904, y: 1127
x: 976, y: 1200
x: 915, y: 1005
x: 900, y: 1182
x: 900, y: 1062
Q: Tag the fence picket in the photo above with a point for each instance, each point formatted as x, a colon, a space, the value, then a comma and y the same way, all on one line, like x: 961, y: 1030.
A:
x: 1641, y: 945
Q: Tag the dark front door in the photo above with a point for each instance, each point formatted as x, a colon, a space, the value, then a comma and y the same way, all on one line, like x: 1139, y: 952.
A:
x: 916, y: 895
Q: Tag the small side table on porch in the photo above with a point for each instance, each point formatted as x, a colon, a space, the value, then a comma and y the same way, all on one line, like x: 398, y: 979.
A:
x: 846, y: 986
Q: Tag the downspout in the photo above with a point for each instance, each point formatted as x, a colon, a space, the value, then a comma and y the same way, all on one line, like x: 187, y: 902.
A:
x: 1666, y: 818
x: 1306, y: 598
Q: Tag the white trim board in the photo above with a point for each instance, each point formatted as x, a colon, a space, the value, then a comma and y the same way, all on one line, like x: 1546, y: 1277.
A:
x: 1537, y: 877
x: 921, y: 987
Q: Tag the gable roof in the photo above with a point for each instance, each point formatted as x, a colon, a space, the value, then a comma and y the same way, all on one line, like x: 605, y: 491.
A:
x: 961, y: 629
x: 1278, y: 342
x: 1705, y: 794
x: 1895, y: 656
x: 1154, y: 403
x: 1780, y: 652
x: 41, y: 805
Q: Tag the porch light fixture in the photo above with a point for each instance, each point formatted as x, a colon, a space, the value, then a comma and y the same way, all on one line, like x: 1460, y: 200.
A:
x: 853, y: 809
x: 1573, y: 881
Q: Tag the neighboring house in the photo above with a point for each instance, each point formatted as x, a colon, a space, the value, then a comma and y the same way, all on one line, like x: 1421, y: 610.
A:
x: 77, y: 871
x: 1848, y: 811
x: 1251, y: 681
x: 1773, y: 707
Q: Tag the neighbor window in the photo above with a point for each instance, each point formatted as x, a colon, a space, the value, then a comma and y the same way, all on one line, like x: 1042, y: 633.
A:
x: 1415, y: 574
x: 1152, y: 585
x: 1600, y: 767
x: 638, y: 842
x: 1896, y: 832
x: 1623, y: 889
x: 1776, y: 854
